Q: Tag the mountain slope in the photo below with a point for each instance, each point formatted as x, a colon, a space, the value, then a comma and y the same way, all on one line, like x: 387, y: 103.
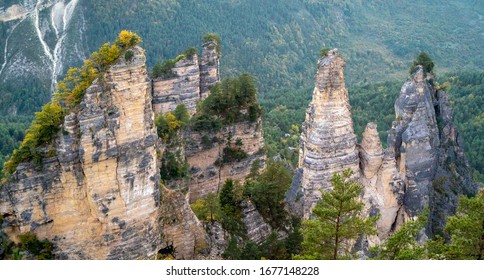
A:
x: 273, y: 40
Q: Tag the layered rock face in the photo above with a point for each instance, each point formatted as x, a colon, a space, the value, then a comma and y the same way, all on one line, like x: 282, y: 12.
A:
x: 209, y: 67
x: 204, y: 152
x: 423, y: 167
x: 191, y: 82
x: 181, y: 228
x: 98, y: 198
x: 328, y: 142
x: 384, y: 186
x: 184, y: 88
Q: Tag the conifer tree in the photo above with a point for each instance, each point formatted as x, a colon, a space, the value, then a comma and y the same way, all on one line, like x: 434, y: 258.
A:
x: 466, y: 229
x: 337, y: 222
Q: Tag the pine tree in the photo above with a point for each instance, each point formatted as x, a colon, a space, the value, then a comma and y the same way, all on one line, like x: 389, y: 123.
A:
x: 402, y: 245
x: 337, y: 222
x: 467, y: 229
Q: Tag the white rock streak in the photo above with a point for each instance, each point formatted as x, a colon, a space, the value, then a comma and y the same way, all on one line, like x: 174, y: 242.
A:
x: 60, y: 17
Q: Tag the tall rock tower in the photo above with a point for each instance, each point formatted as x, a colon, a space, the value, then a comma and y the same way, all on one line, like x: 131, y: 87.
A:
x: 97, y: 196
x: 191, y: 78
x: 428, y: 152
x: 209, y: 67
x: 328, y: 142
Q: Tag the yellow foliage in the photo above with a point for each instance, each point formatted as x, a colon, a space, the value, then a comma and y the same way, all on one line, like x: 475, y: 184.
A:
x: 128, y: 39
x: 173, y: 122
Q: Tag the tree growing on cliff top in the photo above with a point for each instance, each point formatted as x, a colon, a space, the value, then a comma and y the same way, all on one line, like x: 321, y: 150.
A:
x: 423, y: 59
x: 337, y: 222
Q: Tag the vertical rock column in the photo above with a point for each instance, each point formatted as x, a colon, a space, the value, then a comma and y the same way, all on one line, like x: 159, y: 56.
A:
x: 209, y: 67
x: 328, y: 141
x: 98, y: 196
x: 415, y: 140
x: 183, y: 88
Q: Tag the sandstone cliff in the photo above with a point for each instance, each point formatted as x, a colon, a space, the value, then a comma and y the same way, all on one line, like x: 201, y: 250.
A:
x: 427, y: 150
x: 190, y: 83
x: 98, y: 198
x: 423, y: 167
x: 183, y: 88
x: 207, y: 170
x: 328, y: 142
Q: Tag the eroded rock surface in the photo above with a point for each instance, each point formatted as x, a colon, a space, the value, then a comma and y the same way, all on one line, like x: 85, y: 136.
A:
x: 98, y: 198
x: 328, y: 142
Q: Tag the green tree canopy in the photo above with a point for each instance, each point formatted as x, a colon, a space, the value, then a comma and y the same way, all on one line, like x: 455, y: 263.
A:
x: 337, y: 222
x: 402, y: 245
x: 466, y: 229
x: 423, y: 59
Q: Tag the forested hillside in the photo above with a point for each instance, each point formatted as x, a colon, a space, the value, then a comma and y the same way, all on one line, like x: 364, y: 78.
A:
x: 374, y: 102
x: 275, y: 41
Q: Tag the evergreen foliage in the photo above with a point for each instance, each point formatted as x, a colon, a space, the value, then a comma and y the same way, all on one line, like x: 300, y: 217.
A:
x: 402, y: 245
x: 466, y: 229
x: 231, y: 195
x: 208, y: 208
x: 29, y: 247
x: 267, y: 191
x: 227, y: 102
x: 423, y: 59
x: 337, y: 222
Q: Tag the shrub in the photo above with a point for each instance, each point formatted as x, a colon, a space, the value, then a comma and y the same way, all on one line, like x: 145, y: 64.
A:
x: 232, y: 154
x: 324, y: 52
x: 173, y: 166
x: 129, y: 55
x: 190, y: 52
x: 213, y: 37
x: 127, y: 39
x: 423, y: 59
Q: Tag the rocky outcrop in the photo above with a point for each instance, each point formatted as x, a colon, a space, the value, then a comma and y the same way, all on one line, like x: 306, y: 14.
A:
x: 415, y: 140
x: 371, y: 151
x: 428, y: 152
x: 257, y: 229
x: 328, y: 142
x: 183, y: 88
x: 423, y: 167
x: 384, y: 186
x: 98, y: 196
x: 190, y: 83
x: 181, y: 228
x: 205, y: 153
x: 209, y: 67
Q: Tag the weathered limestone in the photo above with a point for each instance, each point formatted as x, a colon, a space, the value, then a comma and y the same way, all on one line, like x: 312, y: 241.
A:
x: 181, y: 228
x: 204, y: 152
x: 371, y: 151
x: 328, y: 141
x: 191, y: 82
x: 98, y: 198
x: 427, y: 150
x: 184, y: 88
x: 257, y: 229
x: 209, y: 67
x: 415, y: 138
